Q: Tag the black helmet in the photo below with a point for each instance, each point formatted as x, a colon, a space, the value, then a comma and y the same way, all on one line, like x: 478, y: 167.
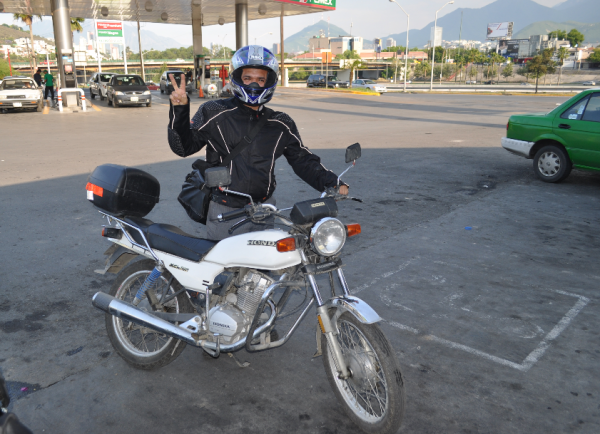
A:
x: 254, y: 56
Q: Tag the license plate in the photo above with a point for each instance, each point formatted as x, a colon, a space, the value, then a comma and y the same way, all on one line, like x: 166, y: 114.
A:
x: 17, y: 104
x: 134, y: 98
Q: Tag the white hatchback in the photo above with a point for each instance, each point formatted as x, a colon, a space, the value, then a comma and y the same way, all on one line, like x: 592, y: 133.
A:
x: 20, y: 92
x: 369, y: 84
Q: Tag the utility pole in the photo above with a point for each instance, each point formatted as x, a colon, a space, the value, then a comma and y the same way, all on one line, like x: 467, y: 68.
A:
x: 141, y: 54
x: 460, y: 31
x: 282, y: 56
x: 124, y: 47
x: 98, y: 46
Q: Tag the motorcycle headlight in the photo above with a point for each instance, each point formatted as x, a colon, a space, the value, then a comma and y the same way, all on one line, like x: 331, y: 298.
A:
x: 328, y: 236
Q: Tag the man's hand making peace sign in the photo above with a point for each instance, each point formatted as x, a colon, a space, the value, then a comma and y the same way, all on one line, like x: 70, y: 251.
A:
x: 178, y: 96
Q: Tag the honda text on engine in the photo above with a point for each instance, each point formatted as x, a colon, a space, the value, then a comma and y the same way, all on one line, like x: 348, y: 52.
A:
x: 152, y: 312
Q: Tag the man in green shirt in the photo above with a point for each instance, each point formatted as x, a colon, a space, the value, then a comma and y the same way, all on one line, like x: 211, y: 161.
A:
x: 49, y: 79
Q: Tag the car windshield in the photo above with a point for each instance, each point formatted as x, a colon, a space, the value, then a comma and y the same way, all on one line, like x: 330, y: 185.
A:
x: 332, y: 78
x: 105, y: 77
x: 128, y: 80
x: 18, y: 84
x: 369, y: 82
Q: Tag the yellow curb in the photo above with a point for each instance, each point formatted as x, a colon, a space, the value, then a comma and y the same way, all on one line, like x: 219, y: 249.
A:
x: 362, y: 93
x: 95, y: 108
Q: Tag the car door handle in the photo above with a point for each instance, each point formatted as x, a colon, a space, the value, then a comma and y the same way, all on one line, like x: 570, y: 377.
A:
x: 564, y: 126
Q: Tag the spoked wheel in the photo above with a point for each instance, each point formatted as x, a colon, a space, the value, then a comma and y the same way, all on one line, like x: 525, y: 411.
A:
x: 139, y: 346
x: 373, y: 397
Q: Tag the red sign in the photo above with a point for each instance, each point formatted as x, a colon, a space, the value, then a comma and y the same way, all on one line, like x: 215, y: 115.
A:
x: 109, y: 26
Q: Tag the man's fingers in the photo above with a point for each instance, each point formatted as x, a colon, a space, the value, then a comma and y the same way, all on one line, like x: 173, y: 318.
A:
x: 173, y: 82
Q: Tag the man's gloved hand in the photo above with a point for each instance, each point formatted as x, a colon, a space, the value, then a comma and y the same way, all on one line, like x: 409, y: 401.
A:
x: 178, y: 96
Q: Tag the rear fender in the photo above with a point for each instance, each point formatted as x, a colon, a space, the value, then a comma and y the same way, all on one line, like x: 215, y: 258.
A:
x: 544, y: 140
x: 117, y: 258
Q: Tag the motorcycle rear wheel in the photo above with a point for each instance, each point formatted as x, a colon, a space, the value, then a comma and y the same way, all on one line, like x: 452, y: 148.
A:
x: 141, y: 347
x: 373, y: 397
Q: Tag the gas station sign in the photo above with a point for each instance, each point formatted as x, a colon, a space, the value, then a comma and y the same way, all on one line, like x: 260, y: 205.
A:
x: 322, y: 4
x: 110, y: 32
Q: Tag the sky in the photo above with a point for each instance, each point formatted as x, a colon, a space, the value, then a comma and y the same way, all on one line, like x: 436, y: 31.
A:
x: 375, y: 18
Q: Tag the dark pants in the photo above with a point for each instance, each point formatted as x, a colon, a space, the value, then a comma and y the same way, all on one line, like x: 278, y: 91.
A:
x: 51, y: 90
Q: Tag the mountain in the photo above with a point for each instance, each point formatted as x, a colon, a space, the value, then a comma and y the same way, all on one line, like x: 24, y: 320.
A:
x: 149, y: 39
x: 590, y: 31
x: 521, y: 12
x: 7, y: 35
x: 299, y: 41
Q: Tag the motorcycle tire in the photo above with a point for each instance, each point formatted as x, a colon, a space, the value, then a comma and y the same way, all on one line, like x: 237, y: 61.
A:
x: 373, y: 397
x: 141, y: 347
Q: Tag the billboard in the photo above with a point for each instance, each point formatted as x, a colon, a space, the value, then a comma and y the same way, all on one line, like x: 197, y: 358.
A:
x: 511, y: 47
x: 499, y: 30
x: 109, y: 32
x: 322, y: 4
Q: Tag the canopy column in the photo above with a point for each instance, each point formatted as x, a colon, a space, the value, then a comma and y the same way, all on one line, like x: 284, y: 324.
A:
x: 241, y: 24
x: 197, y: 44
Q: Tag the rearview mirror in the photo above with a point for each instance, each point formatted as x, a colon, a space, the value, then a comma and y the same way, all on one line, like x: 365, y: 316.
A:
x: 352, y: 152
x: 217, y: 177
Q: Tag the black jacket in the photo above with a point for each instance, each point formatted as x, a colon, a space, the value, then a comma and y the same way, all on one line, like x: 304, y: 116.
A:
x: 220, y: 125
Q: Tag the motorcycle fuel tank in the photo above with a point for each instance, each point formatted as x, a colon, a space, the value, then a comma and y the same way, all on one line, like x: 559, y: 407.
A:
x: 253, y: 250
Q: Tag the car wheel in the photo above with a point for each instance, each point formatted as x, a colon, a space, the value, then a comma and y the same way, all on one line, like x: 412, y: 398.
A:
x: 102, y: 97
x: 149, y: 104
x: 92, y: 96
x: 109, y: 102
x: 552, y: 164
x: 40, y: 106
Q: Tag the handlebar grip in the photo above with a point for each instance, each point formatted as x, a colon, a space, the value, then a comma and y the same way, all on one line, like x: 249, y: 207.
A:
x: 232, y: 215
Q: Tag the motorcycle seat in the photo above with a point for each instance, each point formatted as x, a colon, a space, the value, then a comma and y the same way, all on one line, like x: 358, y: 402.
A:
x: 170, y: 239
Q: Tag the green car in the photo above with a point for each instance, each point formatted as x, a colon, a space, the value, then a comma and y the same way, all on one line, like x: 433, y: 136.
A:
x: 567, y: 137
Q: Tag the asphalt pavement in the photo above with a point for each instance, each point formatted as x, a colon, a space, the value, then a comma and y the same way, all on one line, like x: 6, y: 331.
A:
x: 486, y: 277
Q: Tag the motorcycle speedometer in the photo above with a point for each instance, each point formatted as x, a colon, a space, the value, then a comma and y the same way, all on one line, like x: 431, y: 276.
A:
x: 328, y: 236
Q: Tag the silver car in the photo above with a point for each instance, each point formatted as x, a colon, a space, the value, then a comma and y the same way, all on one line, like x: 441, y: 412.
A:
x: 98, y: 84
x: 20, y: 92
x: 589, y: 83
x: 369, y: 84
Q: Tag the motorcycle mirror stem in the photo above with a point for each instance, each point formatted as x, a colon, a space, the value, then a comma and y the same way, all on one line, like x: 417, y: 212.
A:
x: 344, y: 172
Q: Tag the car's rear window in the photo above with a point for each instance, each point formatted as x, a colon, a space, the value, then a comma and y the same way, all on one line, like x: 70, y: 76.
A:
x: 592, y: 111
x: 575, y: 112
x: 130, y: 80
x: 18, y: 84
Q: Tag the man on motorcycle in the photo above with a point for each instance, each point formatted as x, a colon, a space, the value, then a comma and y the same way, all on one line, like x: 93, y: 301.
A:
x: 223, y: 125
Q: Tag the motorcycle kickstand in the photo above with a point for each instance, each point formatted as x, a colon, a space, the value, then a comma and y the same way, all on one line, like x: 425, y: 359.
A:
x: 240, y: 364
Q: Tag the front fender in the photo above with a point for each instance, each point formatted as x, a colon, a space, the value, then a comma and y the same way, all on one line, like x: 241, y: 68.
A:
x: 355, y: 306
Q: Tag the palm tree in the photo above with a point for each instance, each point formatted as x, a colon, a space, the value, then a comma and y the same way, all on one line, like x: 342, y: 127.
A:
x: 28, y: 21
x: 76, y: 25
x: 562, y: 54
x: 354, y: 64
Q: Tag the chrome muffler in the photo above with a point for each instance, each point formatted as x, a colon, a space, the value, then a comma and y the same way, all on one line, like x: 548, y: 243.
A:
x: 126, y: 311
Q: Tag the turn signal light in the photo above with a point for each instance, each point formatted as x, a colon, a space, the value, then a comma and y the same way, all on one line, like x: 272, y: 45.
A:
x: 112, y: 233
x: 98, y: 191
x: 286, y: 245
x: 352, y: 229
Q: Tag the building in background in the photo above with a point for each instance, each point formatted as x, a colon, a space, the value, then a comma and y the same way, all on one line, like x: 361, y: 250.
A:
x: 389, y: 42
x: 276, y: 49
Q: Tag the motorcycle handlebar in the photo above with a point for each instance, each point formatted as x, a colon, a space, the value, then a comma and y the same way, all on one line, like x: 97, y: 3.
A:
x: 232, y: 215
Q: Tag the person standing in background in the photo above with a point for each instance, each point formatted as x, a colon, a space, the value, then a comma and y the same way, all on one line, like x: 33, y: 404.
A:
x: 49, y: 79
x: 37, y: 77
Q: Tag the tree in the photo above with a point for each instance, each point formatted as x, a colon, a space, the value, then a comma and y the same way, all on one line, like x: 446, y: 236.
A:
x: 558, y: 34
x: 541, y: 65
x: 354, y: 64
x: 349, y: 54
x: 4, y: 69
x: 595, y: 56
x: 422, y: 69
x: 508, y: 71
x: 575, y: 37
x: 562, y: 53
x: 28, y: 21
x: 76, y: 24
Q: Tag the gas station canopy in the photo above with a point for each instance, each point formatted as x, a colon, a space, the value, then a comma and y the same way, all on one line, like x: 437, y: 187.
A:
x: 171, y: 11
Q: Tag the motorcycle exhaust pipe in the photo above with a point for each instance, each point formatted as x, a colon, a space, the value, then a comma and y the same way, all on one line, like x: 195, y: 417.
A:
x: 120, y: 309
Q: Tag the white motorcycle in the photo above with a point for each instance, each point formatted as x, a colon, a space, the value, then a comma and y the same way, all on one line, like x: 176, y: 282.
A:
x: 221, y: 296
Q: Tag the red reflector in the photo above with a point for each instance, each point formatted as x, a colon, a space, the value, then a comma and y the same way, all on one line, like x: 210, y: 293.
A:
x: 98, y: 191
x: 353, y: 229
x: 286, y: 245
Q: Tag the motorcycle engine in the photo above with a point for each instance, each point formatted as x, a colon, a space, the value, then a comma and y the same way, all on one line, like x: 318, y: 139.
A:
x: 232, y: 319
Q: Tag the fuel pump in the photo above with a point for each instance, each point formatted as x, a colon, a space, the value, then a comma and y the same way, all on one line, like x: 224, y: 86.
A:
x: 68, y: 69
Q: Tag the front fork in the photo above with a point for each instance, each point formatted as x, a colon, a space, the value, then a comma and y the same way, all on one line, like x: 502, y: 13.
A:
x: 327, y: 326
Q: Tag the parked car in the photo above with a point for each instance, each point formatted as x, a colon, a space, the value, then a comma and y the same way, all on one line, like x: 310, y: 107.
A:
x: 369, y: 84
x: 470, y: 82
x: 318, y: 80
x: 128, y: 89
x: 567, y: 137
x: 589, y: 83
x: 526, y: 84
x: 20, y: 92
x: 97, y: 84
x: 166, y: 86
x: 490, y: 82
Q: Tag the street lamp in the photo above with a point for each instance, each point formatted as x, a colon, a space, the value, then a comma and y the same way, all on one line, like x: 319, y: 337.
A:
x: 406, y: 51
x: 433, y: 42
x: 268, y: 33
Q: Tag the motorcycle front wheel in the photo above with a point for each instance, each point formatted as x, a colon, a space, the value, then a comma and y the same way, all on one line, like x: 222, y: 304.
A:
x: 139, y: 346
x: 373, y: 396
